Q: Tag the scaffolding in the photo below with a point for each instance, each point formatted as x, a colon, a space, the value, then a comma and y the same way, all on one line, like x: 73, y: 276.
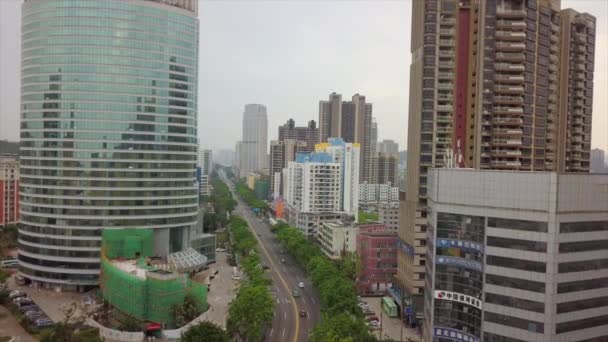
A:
x: 132, y: 285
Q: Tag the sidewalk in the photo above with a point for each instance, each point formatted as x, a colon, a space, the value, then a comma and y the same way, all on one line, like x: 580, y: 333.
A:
x: 10, y: 327
x: 391, y: 327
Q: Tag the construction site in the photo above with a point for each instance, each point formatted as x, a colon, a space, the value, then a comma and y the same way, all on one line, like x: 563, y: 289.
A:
x: 144, y: 287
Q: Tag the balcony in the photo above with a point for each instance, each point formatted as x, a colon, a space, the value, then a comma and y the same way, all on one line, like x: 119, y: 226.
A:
x: 509, y: 24
x: 446, y: 65
x: 509, y: 110
x: 446, y: 75
x: 506, y: 142
x: 514, y: 100
x: 444, y: 108
x: 445, y: 97
x: 506, y: 164
x: 446, y: 53
x: 447, y: 21
x: 512, y: 57
x: 443, y: 141
x: 511, y: 36
x: 510, y: 89
x: 507, y: 132
x: 507, y: 121
x: 445, y: 86
x: 510, y: 13
x: 510, y: 46
x: 447, y: 32
x: 509, y: 67
x: 508, y: 78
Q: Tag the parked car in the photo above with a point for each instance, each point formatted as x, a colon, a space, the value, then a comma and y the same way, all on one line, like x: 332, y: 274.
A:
x: 236, y: 277
x: 31, y: 307
x: 219, y: 250
x: 371, y: 318
x: 43, y: 322
x: 295, y: 293
x: 266, y: 267
x: 282, y: 260
x: 368, y: 312
x: 16, y: 294
x: 301, y: 284
x: 22, y: 301
x: 33, y: 316
x: 303, y: 313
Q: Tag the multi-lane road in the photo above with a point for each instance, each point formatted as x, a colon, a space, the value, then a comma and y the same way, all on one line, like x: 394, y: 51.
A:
x: 287, y: 325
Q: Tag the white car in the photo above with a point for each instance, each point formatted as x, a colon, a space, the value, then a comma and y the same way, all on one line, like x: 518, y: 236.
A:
x: 301, y: 285
x: 236, y: 277
x: 219, y: 250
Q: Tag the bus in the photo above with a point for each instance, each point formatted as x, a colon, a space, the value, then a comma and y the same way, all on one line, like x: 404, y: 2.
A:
x: 389, y: 307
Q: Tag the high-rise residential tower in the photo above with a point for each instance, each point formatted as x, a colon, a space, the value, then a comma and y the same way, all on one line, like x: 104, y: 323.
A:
x: 9, y: 190
x: 108, y: 130
x: 351, y: 121
x: 205, y: 161
x: 254, y: 145
x: 281, y: 153
x: 308, y: 134
x: 493, y: 85
x: 598, y: 161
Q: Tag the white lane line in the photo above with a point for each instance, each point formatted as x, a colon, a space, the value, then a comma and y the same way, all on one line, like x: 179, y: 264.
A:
x: 278, y: 301
x: 271, y: 331
x: 313, y: 300
x: 285, y: 315
x: 283, y: 332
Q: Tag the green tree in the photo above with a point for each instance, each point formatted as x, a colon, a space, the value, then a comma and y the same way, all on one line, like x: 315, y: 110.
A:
x: 187, y: 311
x: 341, y: 327
x: 351, y: 265
x: 205, y: 331
x: 130, y: 324
x: 250, y: 312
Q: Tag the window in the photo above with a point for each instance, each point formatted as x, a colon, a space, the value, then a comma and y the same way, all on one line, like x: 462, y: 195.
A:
x: 578, y: 227
x: 582, y: 285
x: 584, y: 304
x: 524, y: 245
x: 581, y: 266
x: 583, y: 246
x: 488, y: 337
x: 513, y: 302
x: 581, y: 324
x: 530, y: 226
x: 514, y: 322
x: 526, y: 265
x: 521, y: 284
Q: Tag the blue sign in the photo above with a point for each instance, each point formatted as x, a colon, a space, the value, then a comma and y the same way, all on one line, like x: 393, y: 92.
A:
x: 456, y: 335
x: 406, y: 248
x: 462, y: 244
x: 460, y: 262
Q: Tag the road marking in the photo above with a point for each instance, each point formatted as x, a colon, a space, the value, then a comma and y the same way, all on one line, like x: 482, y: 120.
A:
x: 313, y: 300
x: 278, y: 301
x: 295, y: 305
x: 285, y: 315
x: 271, y: 331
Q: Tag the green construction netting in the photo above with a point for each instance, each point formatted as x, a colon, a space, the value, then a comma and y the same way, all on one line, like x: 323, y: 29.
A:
x: 123, y: 290
x: 128, y: 243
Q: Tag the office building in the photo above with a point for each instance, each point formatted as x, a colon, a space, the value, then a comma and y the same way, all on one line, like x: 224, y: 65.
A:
x: 281, y: 153
x: 377, y: 249
x: 516, y: 256
x: 308, y: 134
x: 598, y: 161
x: 224, y: 157
x: 108, y: 131
x: 493, y: 85
x: 388, y: 147
x: 205, y: 161
x: 338, y: 238
x: 9, y: 191
x: 252, y: 149
x: 388, y: 213
x: 9, y: 149
x: 352, y: 121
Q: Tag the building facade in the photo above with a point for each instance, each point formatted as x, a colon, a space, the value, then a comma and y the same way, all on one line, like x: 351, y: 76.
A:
x: 388, y: 147
x: 388, y: 213
x: 351, y: 121
x: 385, y: 169
x: 252, y: 149
x: 494, y: 85
x: 9, y: 191
x: 108, y: 131
x: 598, y: 161
x: 377, y: 250
x: 281, y: 153
x: 516, y: 256
x: 308, y: 134
x: 374, y: 195
x: 337, y: 238
x: 205, y: 161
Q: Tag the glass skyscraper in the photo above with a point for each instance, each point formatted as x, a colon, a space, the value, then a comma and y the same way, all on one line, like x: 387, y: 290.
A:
x: 108, y: 130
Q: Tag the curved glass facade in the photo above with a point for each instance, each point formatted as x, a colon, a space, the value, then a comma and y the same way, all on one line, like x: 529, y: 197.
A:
x: 108, y: 130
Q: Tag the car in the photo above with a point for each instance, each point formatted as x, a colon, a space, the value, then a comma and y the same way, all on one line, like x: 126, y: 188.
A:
x: 43, y: 322
x: 22, y: 301
x: 301, y: 284
x: 26, y: 308
x: 282, y: 260
x: 219, y: 250
x: 368, y: 312
x: 303, y: 313
x: 236, y: 277
x: 259, y: 234
x: 266, y: 267
x: 281, y: 252
x: 371, y: 318
x: 295, y: 293
x: 16, y: 294
x: 32, y: 316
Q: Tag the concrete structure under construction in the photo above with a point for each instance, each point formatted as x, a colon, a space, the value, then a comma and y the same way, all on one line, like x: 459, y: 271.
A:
x: 337, y: 238
x: 516, y: 256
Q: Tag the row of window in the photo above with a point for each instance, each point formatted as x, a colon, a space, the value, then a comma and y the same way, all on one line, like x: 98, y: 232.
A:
x: 105, y: 97
x: 100, y: 104
x: 581, y: 227
x: 72, y: 278
x: 461, y: 227
x: 103, y: 145
x: 520, y: 264
x: 109, y: 213
x: 513, y: 302
x: 514, y: 322
x: 135, y: 164
x: 530, y: 226
x: 92, y: 201
x: 489, y: 337
x: 581, y: 324
x: 66, y: 80
x: 516, y: 283
x: 131, y: 137
x: 107, y: 222
x: 582, y: 266
x: 582, y: 285
x: 119, y: 156
x: 582, y: 304
x: 524, y: 245
x: 583, y: 246
x: 77, y: 86
x: 58, y: 252
x: 116, y: 193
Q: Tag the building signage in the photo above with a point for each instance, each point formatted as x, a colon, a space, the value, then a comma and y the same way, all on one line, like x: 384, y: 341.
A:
x: 460, y: 262
x: 455, y: 335
x: 406, y: 248
x: 458, y: 297
x: 452, y: 243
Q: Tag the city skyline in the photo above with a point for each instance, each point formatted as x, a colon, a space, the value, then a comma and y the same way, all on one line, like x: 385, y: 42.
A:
x: 381, y: 72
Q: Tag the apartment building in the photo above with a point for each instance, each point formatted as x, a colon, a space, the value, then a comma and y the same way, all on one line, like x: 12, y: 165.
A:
x: 388, y: 147
x: 516, y: 256
x: 494, y: 85
x: 9, y: 191
x: 374, y: 195
x: 308, y: 134
x: 598, y: 161
x: 385, y: 169
x: 388, y: 214
x: 281, y: 153
x: 377, y: 250
x: 352, y: 121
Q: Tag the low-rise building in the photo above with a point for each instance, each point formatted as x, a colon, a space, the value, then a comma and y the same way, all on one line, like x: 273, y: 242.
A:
x: 377, y: 249
x: 388, y: 214
x: 373, y: 195
x: 205, y: 244
x: 522, y: 255
x: 337, y: 238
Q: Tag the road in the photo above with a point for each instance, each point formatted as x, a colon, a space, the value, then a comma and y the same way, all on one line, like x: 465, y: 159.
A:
x: 287, y: 324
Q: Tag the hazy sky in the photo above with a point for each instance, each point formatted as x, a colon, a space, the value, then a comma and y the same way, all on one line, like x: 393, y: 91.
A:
x: 289, y: 55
